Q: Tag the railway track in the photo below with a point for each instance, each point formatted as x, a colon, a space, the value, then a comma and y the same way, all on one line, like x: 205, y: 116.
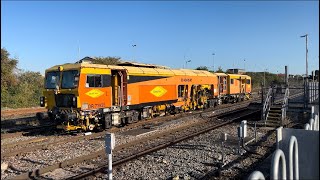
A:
x: 8, y: 151
x: 120, y: 147
x: 133, y: 151
x: 21, y: 112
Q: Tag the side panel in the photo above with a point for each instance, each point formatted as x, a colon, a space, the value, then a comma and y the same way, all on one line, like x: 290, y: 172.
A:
x: 164, y: 88
x: 150, y: 93
x: 94, y: 97
x: 248, y: 85
x: 235, y: 87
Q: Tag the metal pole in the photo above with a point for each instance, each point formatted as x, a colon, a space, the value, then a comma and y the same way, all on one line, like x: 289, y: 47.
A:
x: 307, y: 56
x: 222, y: 153
x: 110, y: 144
x: 264, y: 78
x: 306, y: 36
x: 110, y: 166
x: 255, y: 131
x: 213, y: 61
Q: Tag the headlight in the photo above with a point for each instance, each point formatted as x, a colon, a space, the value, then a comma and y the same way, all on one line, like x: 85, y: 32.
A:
x: 42, y: 101
x: 74, y: 102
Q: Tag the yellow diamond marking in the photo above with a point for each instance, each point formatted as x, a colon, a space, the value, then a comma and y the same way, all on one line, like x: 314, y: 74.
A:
x: 158, y: 91
x: 94, y: 93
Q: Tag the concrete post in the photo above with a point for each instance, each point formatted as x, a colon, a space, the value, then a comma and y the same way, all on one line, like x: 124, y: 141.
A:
x: 279, y: 136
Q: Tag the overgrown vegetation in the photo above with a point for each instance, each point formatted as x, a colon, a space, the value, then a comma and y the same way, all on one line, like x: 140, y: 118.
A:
x: 106, y: 60
x: 259, y: 78
x: 18, y: 88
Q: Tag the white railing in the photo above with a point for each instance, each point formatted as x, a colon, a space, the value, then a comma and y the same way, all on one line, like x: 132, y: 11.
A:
x: 293, y: 143
x: 284, y: 107
x: 276, y: 157
x: 314, y: 120
x: 267, y: 104
x: 313, y: 91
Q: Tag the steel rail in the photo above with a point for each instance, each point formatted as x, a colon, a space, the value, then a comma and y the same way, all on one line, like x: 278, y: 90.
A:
x: 101, y: 153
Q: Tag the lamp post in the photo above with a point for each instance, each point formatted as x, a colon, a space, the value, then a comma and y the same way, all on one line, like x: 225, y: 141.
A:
x: 244, y: 64
x: 213, y: 61
x: 306, y: 36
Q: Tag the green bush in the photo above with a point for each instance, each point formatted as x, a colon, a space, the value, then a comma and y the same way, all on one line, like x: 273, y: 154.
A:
x: 18, y: 88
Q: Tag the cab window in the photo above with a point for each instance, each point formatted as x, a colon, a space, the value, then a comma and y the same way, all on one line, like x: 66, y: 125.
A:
x: 97, y: 80
x: 181, y: 90
x: 248, y: 81
x: 231, y: 81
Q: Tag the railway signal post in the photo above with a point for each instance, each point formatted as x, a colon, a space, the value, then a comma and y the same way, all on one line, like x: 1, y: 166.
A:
x: 110, y: 143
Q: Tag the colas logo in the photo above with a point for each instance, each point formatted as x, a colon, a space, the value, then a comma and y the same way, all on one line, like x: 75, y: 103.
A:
x: 94, y: 93
x: 158, y: 91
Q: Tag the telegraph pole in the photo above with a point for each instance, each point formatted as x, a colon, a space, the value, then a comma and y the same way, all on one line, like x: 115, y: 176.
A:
x: 306, y: 36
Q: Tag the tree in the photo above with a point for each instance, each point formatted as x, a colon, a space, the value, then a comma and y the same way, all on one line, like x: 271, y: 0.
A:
x: 8, y: 65
x: 18, y: 88
x: 220, y: 70
x: 106, y: 60
x: 202, y: 68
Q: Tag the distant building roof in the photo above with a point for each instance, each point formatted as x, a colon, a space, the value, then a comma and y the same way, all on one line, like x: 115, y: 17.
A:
x: 236, y: 71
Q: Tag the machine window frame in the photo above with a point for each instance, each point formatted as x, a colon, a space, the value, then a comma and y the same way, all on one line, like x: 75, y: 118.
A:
x: 248, y: 81
x: 181, y: 89
x: 75, y: 73
x: 231, y: 81
x: 102, y: 84
x: 57, y: 79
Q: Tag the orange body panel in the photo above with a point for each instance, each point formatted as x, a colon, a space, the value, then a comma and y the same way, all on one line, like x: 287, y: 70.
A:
x: 235, y: 87
x: 150, y: 93
x: 94, y: 97
x: 165, y: 89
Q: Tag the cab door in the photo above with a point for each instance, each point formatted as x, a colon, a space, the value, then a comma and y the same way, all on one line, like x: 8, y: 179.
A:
x: 119, y: 83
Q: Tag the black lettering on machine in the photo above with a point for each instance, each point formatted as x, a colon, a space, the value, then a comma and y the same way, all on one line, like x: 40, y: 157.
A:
x: 186, y: 80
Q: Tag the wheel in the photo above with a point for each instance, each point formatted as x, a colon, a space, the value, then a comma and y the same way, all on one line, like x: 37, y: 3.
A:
x: 135, y: 117
x: 40, y: 116
x: 107, y: 121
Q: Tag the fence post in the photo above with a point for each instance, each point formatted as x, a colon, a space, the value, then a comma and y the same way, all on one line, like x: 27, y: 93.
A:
x: 293, y: 143
x: 276, y: 157
x: 279, y: 136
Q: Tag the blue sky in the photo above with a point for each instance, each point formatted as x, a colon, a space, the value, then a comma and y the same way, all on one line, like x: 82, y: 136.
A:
x: 266, y: 34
